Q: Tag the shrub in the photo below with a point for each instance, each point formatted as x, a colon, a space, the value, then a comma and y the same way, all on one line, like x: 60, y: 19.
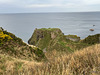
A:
x: 4, y: 37
x: 92, y: 39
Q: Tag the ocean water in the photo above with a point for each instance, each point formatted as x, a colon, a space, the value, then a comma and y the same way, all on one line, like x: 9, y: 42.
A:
x: 78, y: 23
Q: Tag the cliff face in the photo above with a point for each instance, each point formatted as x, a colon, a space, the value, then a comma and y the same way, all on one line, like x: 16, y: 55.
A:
x: 48, y: 39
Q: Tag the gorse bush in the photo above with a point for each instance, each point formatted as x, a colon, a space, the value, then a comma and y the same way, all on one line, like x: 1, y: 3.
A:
x: 4, y: 37
x: 92, y: 39
x: 7, y: 36
x: 12, y: 36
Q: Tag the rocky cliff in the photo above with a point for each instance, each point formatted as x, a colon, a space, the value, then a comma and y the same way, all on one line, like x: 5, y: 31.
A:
x: 48, y: 39
x: 53, y: 39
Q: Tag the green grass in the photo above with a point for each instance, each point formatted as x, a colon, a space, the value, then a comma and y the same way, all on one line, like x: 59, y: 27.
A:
x: 73, y: 36
x: 49, y: 29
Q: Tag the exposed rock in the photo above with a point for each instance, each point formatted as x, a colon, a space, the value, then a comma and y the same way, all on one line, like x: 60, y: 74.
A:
x: 53, y: 35
x: 93, y: 25
x: 91, y: 29
x: 74, y: 38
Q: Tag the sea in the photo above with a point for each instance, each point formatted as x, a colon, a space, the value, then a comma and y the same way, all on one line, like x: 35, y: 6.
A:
x: 73, y: 23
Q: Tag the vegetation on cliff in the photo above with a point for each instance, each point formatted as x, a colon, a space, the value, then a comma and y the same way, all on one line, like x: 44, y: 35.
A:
x: 4, y: 37
x: 92, y: 39
x: 14, y: 46
x: 73, y: 38
x: 53, y: 39
x: 48, y: 39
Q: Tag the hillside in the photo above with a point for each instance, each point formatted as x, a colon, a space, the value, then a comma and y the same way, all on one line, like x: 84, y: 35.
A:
x: 53, y: 54
x: 15, y: 47
x: 83, y: 62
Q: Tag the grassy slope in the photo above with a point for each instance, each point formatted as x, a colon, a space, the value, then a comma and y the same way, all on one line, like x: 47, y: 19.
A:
x: 83, y: 62
x: 14, y: 46
x: 13, y: 66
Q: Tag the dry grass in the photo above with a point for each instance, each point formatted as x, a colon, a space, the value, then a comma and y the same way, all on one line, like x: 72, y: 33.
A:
x: 13, y: 66
x: 83, y: 62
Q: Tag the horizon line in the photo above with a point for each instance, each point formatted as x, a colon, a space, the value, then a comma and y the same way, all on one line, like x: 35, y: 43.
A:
x: 47, y: 12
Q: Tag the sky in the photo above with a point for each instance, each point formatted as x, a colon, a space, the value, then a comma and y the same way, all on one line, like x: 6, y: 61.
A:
x: 35, y: 6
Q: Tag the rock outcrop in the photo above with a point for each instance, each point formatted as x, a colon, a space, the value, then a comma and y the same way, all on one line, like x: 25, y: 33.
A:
x: 74, y: 38
x: 47, y: 39
x: 53, y: 39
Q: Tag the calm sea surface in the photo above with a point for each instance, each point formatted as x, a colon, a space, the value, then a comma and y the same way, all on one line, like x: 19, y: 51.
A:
x: 23, y: 25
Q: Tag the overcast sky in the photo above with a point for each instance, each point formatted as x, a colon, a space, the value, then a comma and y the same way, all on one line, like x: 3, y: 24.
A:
x: 34, y: 6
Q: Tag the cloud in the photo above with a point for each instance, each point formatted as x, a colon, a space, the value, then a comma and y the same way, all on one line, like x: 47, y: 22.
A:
x: 68, y: 5
x: 6, y: 1
x: 91, y: 2
x: 62, y: 3
x: 49, y: 5
x: 40, y: 5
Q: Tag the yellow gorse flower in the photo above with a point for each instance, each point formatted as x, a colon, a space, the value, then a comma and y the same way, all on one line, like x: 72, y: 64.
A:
x: 4, y: 36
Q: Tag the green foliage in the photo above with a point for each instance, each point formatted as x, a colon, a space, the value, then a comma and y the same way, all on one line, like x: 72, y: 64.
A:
x: 4, y: 37
x: 72, y: 36
x: 12, y: 35
x: 44, y: 42
x: 66, y: 47
x: 14, y: 38
x: 49, y: 29
x: 92, y: 39
x: 40, y: 54
x: 14, y: 46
